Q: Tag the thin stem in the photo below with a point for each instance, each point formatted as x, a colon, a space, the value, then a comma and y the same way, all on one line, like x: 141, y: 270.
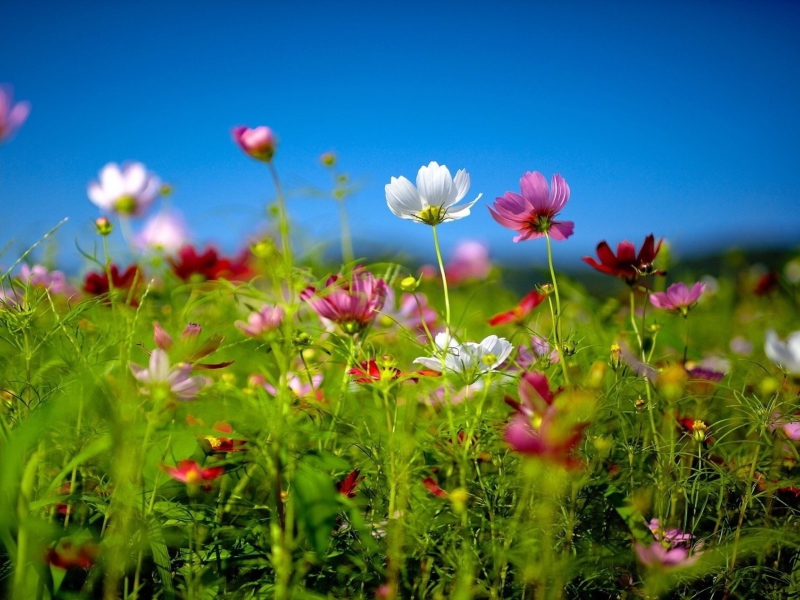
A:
x: 348, y: 255
x: 633, y: 322
x: 283, y: 225
x: 686, y: 345
x: 444, y: 279
x: 557, y: 314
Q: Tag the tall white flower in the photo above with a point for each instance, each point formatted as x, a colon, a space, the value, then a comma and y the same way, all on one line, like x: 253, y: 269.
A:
x: 432, y: 201
x: 784, y: 354
x: 469, y: 358
x: 129, y: 190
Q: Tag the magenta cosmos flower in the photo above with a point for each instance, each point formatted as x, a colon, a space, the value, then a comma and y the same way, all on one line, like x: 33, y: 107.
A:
x: 532, y: 213
x: 11, y: 117
x: 258, y: 142
x: 350, y: 302
x: 656, y: 555
x: 678, y: 297
x: 267, y: 319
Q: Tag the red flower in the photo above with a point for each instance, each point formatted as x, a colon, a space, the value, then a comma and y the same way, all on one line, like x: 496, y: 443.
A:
x: 190, y: 473
x: 347, y: 486
x: 766, y: 284
x: 518, y: 313
x: 209, y: 265
x: 370, y: 371
x: 96, y: 283
x: 433, y: 487
x: 68, y: 555
x: 627, y: 264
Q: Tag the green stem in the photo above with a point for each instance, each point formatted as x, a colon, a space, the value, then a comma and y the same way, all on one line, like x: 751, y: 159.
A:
x: 444, y: 279
x: 348, y: 255
x: 633, y: 323
x: 283, y: 225
x: 557, y: 315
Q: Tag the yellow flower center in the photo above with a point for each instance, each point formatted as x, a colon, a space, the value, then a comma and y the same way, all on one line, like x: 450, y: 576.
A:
x: 126, y: 205
x: 432, y: 215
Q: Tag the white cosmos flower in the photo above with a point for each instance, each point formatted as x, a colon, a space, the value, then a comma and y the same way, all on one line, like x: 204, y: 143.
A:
x: 432, y: 201
x: 784, y: 354
x: 129, y: 190
x: 468, y: 358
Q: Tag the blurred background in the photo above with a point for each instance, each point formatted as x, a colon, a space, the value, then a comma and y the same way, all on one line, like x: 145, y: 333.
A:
x: 676, y: 118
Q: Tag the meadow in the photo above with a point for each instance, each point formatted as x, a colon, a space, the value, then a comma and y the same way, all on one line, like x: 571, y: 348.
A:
x: 193, y: 425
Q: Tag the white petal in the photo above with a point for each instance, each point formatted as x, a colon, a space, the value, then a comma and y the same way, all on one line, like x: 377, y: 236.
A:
x: 434, y: 184
x: 460, y: 212
x: 435, y: 364
x: 112, y: 182
x: 460, y: 185
x: 159, y: 366
x: 403, y: 198
x: 98, y: 196
x: 135, y: 179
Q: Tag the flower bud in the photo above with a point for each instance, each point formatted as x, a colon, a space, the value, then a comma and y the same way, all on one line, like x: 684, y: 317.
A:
x: 596, y: 375
x: 103, y: 226
x: 258, y: 142
x: 639, y: 403
x: 546, y: 289
x: 458, y: 498
x: 616, y: 356
x: 408, y: 284
x: 328, y: 159
x: 699, y: 431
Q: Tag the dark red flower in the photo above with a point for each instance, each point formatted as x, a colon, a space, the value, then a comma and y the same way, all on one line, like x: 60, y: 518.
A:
x: 347, y: 486
x: 96, y: 282
x: 433, y: 487
x: 67, y: 555
x: 209, y: 265
x: 627, y: 264
x: 766, y: 284
x: 523, y: 309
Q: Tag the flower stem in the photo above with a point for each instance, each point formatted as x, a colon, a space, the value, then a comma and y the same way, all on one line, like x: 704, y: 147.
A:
x: 283, y: 225
x: 557, y: 314
x: 444, y: 278
x: 348, y: 254
x: 686, y: 345
x: 633, y: 323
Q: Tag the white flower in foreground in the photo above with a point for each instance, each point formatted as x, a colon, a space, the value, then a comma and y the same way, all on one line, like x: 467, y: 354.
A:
x: 784, y: 354
x: 468, y: 358
x: 177, y: 380
x: 128, y: 191
x: 165, y: 231
x: 431, y: 202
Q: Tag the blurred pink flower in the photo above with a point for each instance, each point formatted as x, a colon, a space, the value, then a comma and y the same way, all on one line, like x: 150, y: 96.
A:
x: 55, y: 281
x: 178, y: 378
x: 740, y: 345
x: 532, y: 213
x: 470, y: 262
x: 189, y: 472
x: 539, y: 348
x: 165, y: 231
x: 268, y: 318
x: 301, y: 387
x: 11, y: 117
x: 656, y: 555
x: 791, y: 429
x: 350, y: 302
x: 259, y: 142
x: 674, y: 537
x: 678, y: 297
x: 129, y: 190
x: 411, y: 313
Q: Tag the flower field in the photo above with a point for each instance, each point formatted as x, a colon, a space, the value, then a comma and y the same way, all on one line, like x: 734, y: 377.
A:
x: 181, y: 423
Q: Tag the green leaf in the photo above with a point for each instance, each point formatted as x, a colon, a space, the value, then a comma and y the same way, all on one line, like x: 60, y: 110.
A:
x: 316, y: 501
x: 161, y: 557
x: 630, y: 514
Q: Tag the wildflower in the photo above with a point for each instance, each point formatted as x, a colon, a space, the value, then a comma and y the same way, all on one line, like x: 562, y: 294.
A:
x: 97, y: 283
x: 532, y: 213
x: 347, y: 486
x: 766, y: 284
x: 414, y: 312
x: 432, y: 200
x: 103, y: 226
x: 627, y: 264
x: 165, y: 231
x: 300, y: 387
x: 176, y: 380
x: 518, y: 314
x: 433, y: 487
x: 784, y: 354
x: 469, y: 358
x: 470, y: 262
x: 189, y: 348
x: 710, y: 369
x: 678, y: 297
x: 742, y: 346
x: 791, y: 429
x: 55, y: 281
x: 696, y: 428
x: 68, y: 555
x: 208, y: 265
x: 267, y: 319
x: 352, y: 303
x: 189, y: 472
x: 539, y: 351
x: 656, y: 555
x: 128, y: 191
x: 545, y: 436
x: 258, y: 142
x: 11, y: 117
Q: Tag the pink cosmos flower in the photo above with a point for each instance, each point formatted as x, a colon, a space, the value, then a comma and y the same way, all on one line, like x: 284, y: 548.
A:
x: 412, y: 312
x: 259, y: 142
x: 299, y: 386
x: 678, y: 297
x: 532, y: 213
x: 350, y: 302
x: 539, y: 349
x: 267, y: 319
x: 129, y: 190
x: 165, y: 231
x: 11, y: 117
x: 470, y: 262
x: 190, y: 473
x: 55, y: 281
x: 177, y: 380
x: 674, y: 537
x: 791, y: 429
x: 656, y: 555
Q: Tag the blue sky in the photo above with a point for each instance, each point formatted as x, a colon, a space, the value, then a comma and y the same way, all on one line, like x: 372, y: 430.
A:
x: 678, y: 118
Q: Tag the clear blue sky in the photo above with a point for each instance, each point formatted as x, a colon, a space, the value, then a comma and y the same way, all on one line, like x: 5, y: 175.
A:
x: 678, y: 118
